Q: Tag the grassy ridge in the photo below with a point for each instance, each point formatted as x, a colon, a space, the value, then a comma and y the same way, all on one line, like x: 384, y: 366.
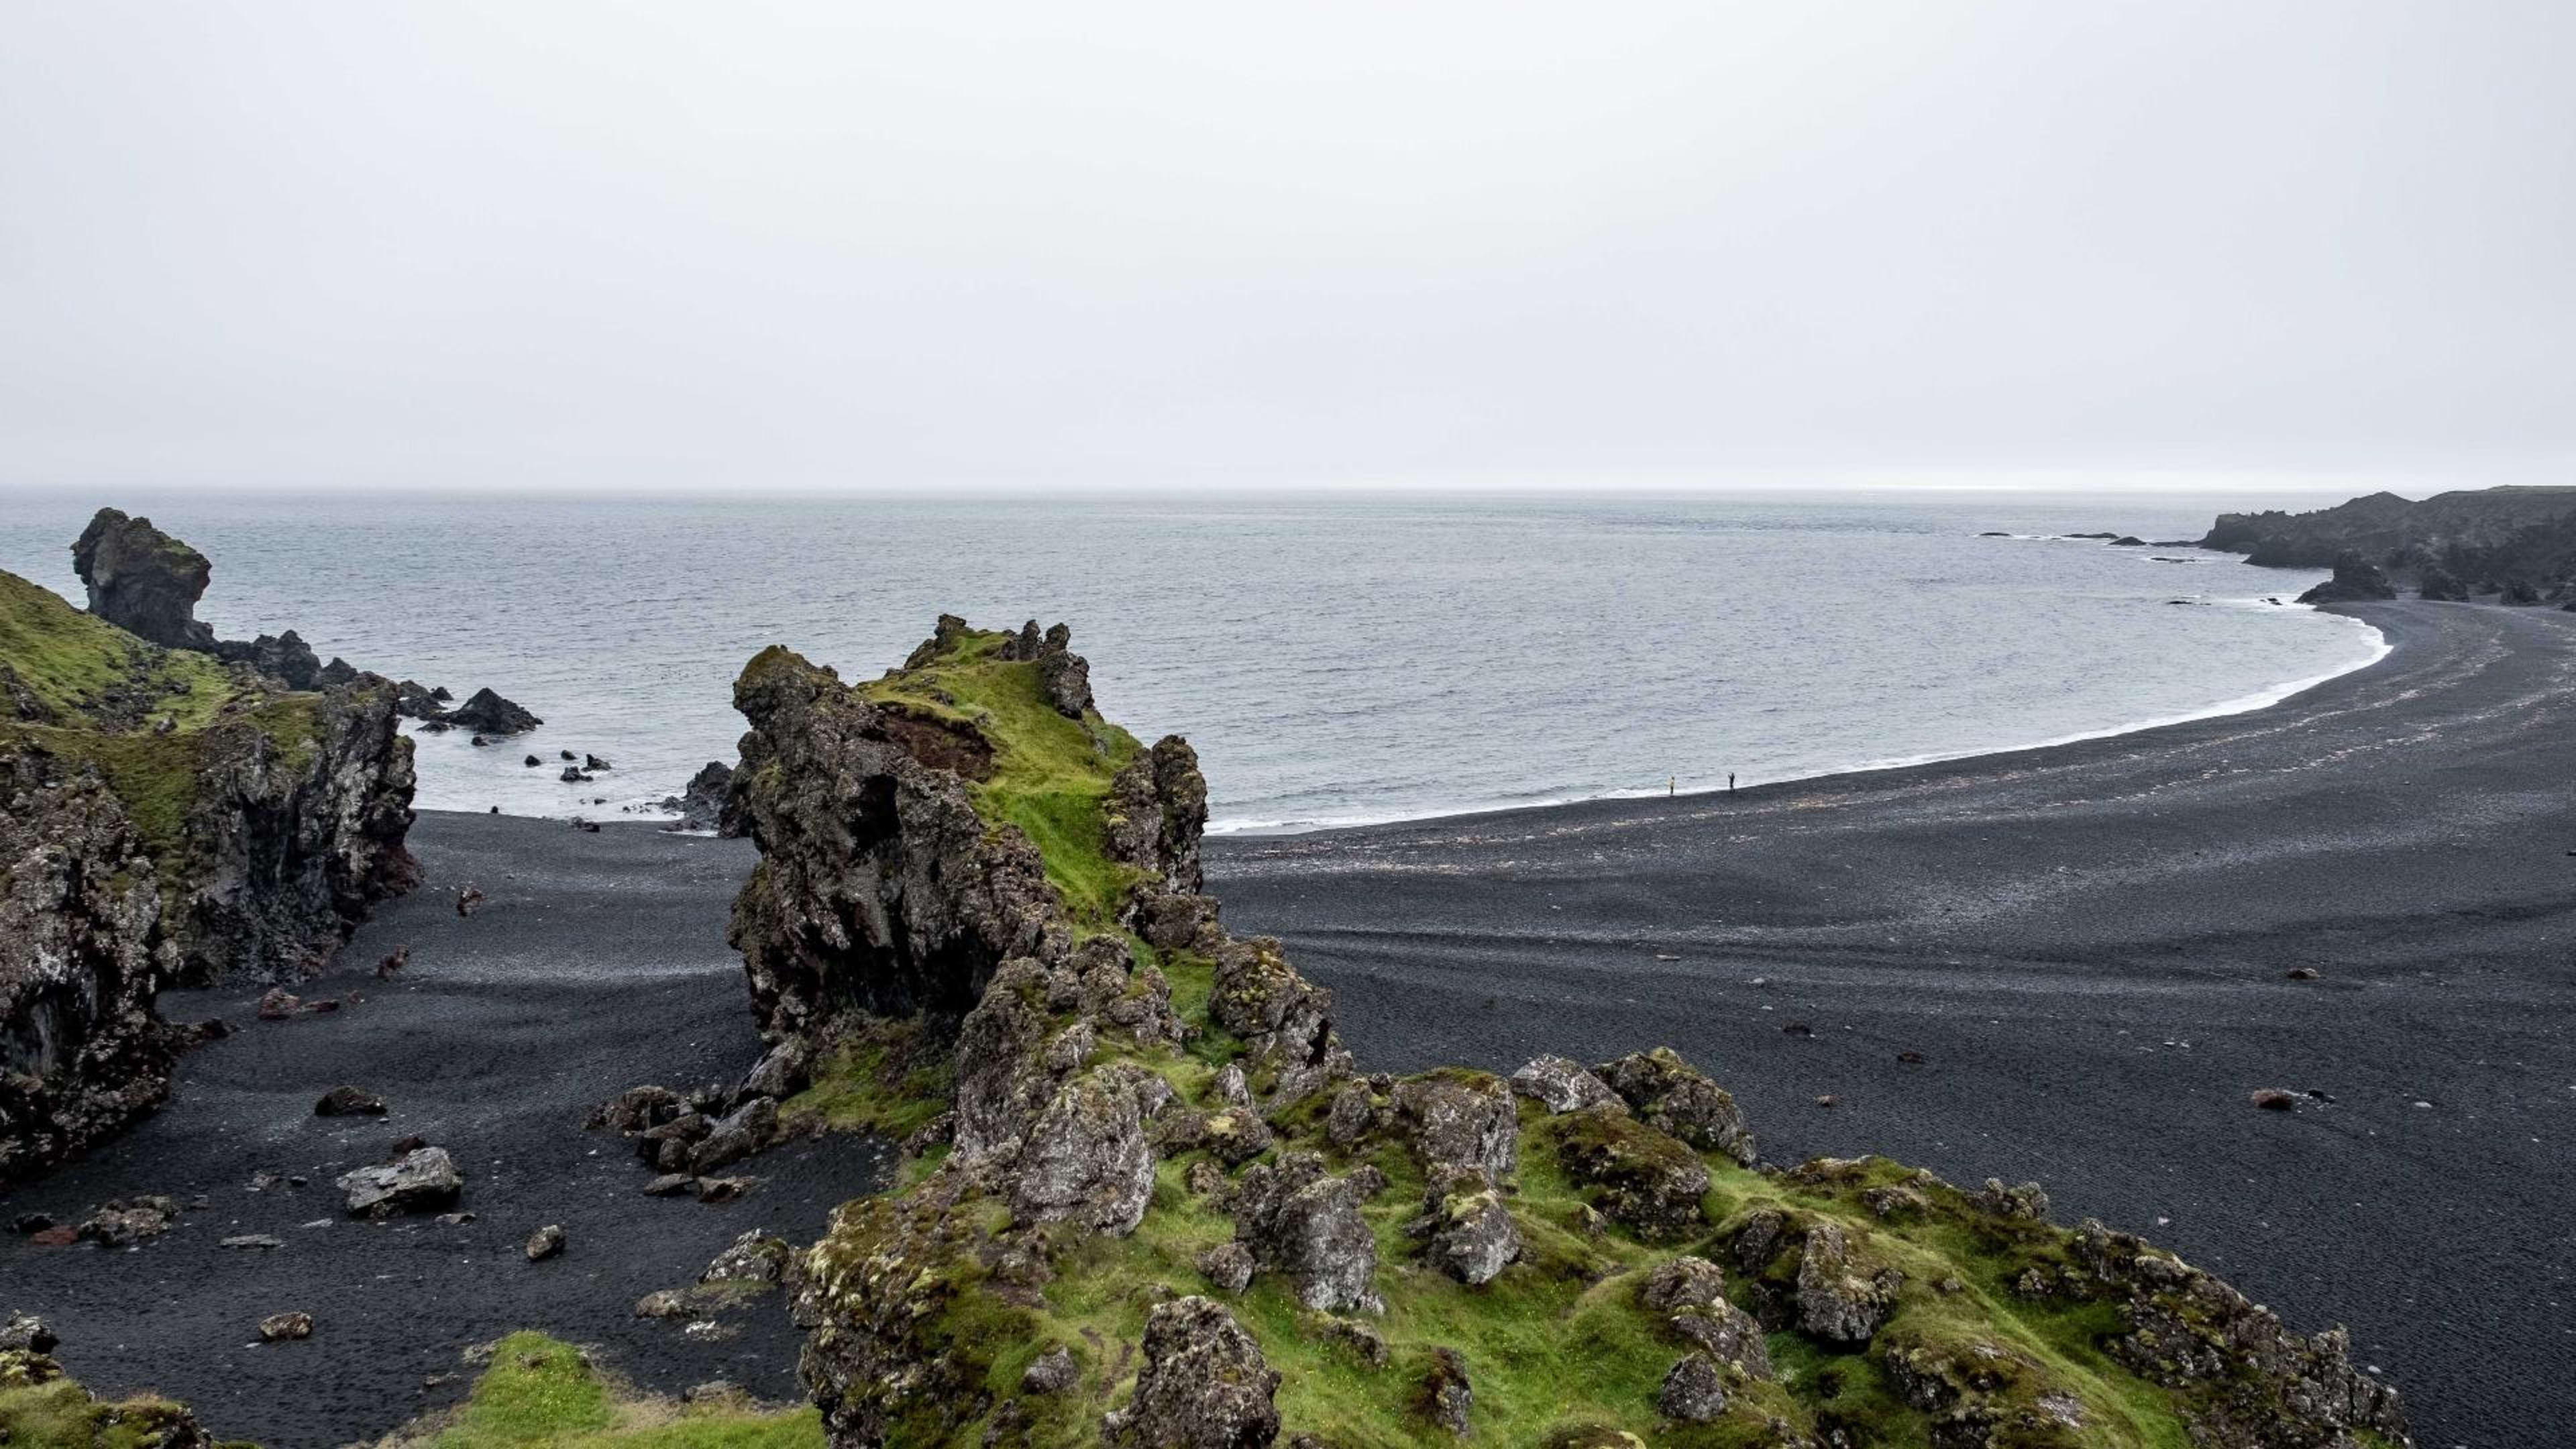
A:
x: 78, y: 667
x: 138, y: 713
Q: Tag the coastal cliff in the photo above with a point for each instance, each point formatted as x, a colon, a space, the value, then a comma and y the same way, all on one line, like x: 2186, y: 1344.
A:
x: 164, y: 819
x: 1149, y: 1198
x: 2481, y: 541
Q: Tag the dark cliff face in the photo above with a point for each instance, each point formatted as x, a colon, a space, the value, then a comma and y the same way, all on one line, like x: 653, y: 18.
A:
x: 2491, y: 536
x: 879, y: 886
x: 143, y: 581
x: 293, y: 839
x: 81, y: 953
x: 164, y: 819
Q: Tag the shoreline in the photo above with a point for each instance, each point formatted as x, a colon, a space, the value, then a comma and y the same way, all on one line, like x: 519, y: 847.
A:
x: 2256, y: 701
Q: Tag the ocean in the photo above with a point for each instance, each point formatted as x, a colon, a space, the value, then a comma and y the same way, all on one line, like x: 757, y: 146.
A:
x: 1335, y: 661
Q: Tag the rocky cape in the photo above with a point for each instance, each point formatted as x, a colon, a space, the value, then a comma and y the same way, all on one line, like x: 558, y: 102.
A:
x: 148, y: 583
x: 1151, y: 1200
x: 165, y: 818
x: 2517, y: 543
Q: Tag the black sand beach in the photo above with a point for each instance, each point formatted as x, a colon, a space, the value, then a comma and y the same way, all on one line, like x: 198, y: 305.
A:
x: 2088, y: 946
x: 598, y: 962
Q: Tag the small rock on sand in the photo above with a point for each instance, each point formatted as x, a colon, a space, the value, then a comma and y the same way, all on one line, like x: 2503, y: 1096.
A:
x: 349, y: 1102
x: 285, y: 1327
x: 2273, y: 1099
x: 545, y: 1243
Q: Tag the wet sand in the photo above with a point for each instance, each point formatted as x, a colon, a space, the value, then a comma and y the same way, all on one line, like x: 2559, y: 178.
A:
x: 2088, y: 945
x: 599, y: 962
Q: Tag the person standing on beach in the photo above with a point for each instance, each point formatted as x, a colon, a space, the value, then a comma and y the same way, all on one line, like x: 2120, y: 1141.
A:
x: 1672, y: 784
x: 1730, y: 782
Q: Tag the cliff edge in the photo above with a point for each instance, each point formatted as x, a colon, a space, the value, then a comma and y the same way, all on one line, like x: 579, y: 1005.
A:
x: 1149, y: 1200
x: 164, y: 819
x: 2515, y: 542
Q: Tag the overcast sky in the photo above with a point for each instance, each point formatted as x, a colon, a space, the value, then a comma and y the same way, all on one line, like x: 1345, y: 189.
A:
x: 837, y: 245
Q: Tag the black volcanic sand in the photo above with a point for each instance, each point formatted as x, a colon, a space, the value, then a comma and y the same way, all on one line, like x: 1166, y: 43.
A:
x: 598, y: 962
x: 2088, y: 945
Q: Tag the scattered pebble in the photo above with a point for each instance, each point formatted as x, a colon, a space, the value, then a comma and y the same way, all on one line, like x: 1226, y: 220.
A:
x: 2273, y: 1099
x: 545, y: 1243
x: 254, y: 1240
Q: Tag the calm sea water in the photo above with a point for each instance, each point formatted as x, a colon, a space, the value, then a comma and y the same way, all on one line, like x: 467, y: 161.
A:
x: 1333, y: 661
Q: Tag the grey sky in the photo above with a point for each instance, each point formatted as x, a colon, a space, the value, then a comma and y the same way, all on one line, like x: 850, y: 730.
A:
x: 854, y: 245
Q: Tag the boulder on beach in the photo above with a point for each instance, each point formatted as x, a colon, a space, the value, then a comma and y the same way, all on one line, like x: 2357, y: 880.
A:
x: 421, y: 1180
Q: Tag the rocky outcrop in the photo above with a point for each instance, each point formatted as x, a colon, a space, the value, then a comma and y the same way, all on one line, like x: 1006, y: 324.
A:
x: 1128, y: 1103
x: 1301, y: 1221
x: 163, y: 820
x: 487, y: 713
x: 144, y: 581
x: 1563, y: 1086
x: 2356, y: 581
x: 285, y: 658
x: 1156, y: 813
x: 701, y: 804
x: 1204, y: 1385
x: 1673, y: 1096
x: 2492, y: 534
x: 879, y: 885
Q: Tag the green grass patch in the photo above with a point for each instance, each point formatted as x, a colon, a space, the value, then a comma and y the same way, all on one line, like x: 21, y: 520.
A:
x: 79, y: 667
x: 62, y: 1415
x: 541, y: 1393
x: 884, y: 1077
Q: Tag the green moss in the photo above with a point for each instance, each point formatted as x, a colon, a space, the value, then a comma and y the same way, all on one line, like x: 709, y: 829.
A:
x: 62, y: 1415
x: 141, y: 716
x: 884, y: 1077
x: 81, y: 668
x: 540, y: 1393
x: 1049, y: 774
